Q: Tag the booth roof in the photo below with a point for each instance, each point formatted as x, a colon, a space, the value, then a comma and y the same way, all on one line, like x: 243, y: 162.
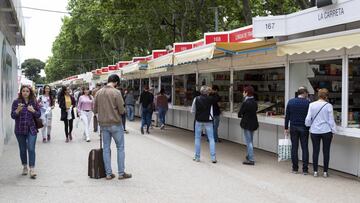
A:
x: 135, y: 67
x: 346, y: 39
x: 219, y: 49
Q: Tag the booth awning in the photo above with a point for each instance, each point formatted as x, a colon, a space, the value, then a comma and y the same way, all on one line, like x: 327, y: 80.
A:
x: 196, y: 54
x: 162, y: 61
x: 320, y: 43
x: 219, y: 49
x: 134, y: 67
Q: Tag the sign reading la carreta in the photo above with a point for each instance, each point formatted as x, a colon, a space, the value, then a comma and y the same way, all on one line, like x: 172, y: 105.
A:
x: 331, y: 13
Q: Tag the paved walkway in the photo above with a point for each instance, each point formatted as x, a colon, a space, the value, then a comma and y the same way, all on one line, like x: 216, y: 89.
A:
x: 163, y: 171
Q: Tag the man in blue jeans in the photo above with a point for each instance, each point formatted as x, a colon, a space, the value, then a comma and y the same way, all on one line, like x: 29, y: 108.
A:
x: 296, y: 111
x: 147, y: 105
x: 202, y: 107
x: 109, y: 105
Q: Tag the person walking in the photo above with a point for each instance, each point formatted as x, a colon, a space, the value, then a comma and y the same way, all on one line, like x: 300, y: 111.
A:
x: 24, y: 111
x: 47, y: 104
x: 147, y: 104
x: 320, y: 119
x: 249, y: 122
x: 123, y: 116
x: 202, y: 107
x: 67, y: 105
x: 296, y: 111
x: 85, y: 108
x: 162, y: 107
x: 109, y: 106
x: 93, y: 93
x: 217, y: 99
x: 130, y: 104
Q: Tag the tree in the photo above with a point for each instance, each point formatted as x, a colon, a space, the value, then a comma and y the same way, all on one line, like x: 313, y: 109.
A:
x: 101, y: 32
x: 32, y: 68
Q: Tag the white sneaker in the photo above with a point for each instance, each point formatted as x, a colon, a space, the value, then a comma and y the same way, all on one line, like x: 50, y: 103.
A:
x: 325, y: 175
x: 25, y: 171
x: 316, y: 174
x: 87, y: 139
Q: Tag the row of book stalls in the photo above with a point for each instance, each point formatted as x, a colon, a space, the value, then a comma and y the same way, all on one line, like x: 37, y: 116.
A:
x: 276, y: 55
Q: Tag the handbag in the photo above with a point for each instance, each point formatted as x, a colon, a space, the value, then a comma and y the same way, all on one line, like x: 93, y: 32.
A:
x: 38, y: 123
x: 284, y: 149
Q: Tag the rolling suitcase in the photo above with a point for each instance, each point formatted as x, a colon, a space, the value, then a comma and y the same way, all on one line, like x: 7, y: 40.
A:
x: 96, y: 168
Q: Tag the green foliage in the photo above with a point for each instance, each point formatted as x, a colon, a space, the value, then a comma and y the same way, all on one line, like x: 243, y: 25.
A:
x: 31, y: 68
x: 101, y: 32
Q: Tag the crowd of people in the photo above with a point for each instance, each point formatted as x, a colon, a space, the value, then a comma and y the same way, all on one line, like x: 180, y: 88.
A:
x: 108, y: 107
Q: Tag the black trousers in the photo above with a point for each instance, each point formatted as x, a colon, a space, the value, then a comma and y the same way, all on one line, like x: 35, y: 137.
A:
x: 299, y: 134
x: 326, y: 140
x: 68, y: 127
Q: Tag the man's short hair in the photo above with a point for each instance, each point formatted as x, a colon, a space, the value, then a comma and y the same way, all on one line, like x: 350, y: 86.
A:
x: 302, y: 90
x: 204, y: 89
x: 114, y: 79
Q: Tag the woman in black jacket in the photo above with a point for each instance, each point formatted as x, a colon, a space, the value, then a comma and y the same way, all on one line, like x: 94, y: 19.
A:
x: 249, y: 122
x: 67, y: 104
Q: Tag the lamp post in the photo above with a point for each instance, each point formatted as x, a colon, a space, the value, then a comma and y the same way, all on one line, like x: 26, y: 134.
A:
x: 165, y: 23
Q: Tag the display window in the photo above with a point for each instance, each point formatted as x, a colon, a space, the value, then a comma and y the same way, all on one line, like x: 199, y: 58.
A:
x: 185, y: 89
x: 316, y: 75
x: 354, y: 93
x: 166, y: 84
x: 269, y: 86
x: 136, y: 87
x: 222, y: 80
x: 155, y: 85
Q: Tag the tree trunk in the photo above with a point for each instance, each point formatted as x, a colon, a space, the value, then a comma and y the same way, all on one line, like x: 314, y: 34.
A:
x: 247, y: 12
x: 304, y: 4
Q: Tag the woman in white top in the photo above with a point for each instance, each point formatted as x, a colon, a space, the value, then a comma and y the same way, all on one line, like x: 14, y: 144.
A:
x: 47, y: 103
x: 320, y: 119
x: 85, y: 108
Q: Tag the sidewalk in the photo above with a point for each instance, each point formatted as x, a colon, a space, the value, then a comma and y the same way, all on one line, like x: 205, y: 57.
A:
x: 163, y: 171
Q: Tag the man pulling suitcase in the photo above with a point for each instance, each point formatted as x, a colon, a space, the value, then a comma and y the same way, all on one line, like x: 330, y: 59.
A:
x: 109, y: 105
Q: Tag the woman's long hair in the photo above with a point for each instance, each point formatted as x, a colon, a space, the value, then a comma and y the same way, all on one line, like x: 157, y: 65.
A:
x: 31, y: 96
x: 50, y: 95
x: 62, y: 92
x: 83, y: 91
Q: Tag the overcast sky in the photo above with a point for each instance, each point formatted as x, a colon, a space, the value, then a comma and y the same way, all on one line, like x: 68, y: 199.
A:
x: 41, y: 28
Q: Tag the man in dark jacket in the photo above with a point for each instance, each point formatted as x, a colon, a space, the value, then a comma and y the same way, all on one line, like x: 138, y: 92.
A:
x: 296, y: 111
x: 249, y: 122
x: 147, y: 105
x: 216, y: 99
x: 202, y: 107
